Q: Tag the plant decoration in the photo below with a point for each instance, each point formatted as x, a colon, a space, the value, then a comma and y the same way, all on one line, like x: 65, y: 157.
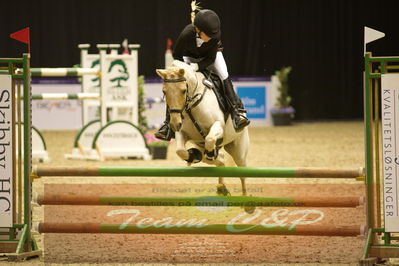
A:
x: 283, y: 99
x: 152, y: 141
x: 143, y: 124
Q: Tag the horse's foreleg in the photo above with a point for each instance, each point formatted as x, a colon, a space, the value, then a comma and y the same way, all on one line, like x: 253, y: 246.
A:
x: 215, y: 133
x: 180, y: 146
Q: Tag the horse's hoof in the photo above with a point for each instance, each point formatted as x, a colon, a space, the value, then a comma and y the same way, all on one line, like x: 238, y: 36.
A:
x: 249, y: 209
x: 210, y: 158
x: 222, y: 190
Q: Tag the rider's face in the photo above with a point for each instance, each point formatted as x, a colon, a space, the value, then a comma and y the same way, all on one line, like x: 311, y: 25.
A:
x: 202, y: 35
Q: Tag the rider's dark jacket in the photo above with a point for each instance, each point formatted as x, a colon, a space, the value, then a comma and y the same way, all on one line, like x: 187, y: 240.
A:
x: 186, y: 45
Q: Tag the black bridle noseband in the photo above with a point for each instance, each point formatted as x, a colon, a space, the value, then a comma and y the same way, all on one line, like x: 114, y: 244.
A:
x: 175, y: 80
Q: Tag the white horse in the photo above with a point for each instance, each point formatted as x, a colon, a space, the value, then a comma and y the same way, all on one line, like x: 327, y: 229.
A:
x: 199, y: 123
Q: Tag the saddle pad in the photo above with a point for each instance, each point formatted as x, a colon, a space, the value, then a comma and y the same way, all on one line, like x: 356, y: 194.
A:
x: 218, y: 89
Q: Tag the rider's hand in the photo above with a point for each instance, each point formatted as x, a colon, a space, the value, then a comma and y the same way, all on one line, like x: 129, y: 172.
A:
x: 194, y: 66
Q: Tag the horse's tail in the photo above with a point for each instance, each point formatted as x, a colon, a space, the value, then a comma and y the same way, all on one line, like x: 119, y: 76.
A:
x: 194, y: 9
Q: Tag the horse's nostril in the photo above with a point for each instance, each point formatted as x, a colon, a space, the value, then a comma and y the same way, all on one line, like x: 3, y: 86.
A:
x: 176, y: 127
x: 179, y: 126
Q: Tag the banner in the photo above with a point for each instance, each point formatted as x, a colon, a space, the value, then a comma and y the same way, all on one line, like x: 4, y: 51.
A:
x: 390, y: 150
x: 6, y: 152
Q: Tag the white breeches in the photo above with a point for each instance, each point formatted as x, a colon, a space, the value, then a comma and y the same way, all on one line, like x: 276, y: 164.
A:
x: 219, y: 66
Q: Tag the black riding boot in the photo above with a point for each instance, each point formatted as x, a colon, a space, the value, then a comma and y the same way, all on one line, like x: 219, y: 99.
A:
x: 237, y: 110
x: 164, y: 132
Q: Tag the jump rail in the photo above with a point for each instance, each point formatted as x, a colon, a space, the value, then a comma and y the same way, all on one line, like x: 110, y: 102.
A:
x: 66, y: 96
x: 57, y: 72
x: 217, y: 229
x: 80, y: 96
x: 233, y: 201
x: 63, y: 72
x: 255, y: 172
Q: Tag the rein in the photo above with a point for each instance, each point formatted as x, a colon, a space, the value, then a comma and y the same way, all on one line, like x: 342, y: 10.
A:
x: 188, y: 108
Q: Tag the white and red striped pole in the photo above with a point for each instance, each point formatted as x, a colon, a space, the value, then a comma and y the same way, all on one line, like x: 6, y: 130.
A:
x: 168, y: 53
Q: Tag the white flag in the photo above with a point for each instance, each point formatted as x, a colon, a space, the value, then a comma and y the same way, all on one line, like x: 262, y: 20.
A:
x: 371, y: 35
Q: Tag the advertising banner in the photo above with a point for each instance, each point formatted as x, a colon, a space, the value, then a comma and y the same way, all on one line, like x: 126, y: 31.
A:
x: 6, y: 152
x: 390, y: 151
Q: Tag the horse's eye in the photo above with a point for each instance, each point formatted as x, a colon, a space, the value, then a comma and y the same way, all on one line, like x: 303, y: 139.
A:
x: 184, y: 91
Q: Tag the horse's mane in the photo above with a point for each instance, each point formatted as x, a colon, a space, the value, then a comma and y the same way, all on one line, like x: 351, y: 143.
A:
x: 189, y: 73
x: 180, y: 64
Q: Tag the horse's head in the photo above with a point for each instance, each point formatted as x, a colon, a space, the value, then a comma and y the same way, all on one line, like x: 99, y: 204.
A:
x: 175, y: 91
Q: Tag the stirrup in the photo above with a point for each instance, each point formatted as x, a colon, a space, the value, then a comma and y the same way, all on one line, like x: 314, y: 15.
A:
x: 244, y: 122
x: 165, y: 133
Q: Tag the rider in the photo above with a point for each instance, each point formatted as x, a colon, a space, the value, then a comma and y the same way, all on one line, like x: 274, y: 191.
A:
x: 199, y: 45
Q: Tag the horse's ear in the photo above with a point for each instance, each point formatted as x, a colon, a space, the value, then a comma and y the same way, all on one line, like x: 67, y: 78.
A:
x: 181, y: 72
x: 161, y: 73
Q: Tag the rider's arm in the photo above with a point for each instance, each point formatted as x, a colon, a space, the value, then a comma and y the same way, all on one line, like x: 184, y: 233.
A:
x: 182, y: 42
x: 209, y: 58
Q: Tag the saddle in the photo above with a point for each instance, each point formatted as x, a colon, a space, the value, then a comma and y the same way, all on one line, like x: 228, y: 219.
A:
x: 218, y: 88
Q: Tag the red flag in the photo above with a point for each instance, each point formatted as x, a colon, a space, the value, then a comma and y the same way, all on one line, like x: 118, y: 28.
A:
x: 22, y: 36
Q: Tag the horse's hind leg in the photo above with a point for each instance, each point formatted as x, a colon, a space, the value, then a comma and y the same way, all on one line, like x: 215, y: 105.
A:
x: 238, y: 149
x: 221, y: 188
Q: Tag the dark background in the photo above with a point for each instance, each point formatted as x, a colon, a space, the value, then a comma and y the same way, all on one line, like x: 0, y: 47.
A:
x: 321, y: 39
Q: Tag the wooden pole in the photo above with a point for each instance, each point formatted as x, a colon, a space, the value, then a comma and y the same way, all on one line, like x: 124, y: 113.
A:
x: 218, y: 229
x: 232, y: 201
x: 254, y: 172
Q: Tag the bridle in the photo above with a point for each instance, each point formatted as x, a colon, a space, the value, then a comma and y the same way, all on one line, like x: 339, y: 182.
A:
x: 182, y: 79
x: 189, y: 99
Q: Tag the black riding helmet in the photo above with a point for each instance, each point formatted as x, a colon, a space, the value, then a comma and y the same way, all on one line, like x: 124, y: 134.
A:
x: 208, y: 22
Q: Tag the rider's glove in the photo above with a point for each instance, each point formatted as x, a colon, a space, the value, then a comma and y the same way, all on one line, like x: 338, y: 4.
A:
x: 194, y: 66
